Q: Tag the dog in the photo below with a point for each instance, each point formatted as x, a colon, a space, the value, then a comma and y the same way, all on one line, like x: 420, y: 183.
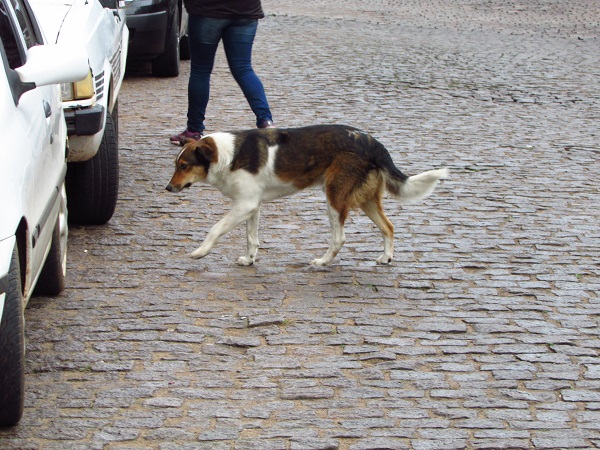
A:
x: 253, y: 166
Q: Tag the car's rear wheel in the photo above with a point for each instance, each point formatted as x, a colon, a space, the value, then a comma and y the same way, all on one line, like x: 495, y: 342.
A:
x: 93, y: 185
x: 167, y: 64
x: 12, y: 348
x: 184, y: 48
x: 52, y: 277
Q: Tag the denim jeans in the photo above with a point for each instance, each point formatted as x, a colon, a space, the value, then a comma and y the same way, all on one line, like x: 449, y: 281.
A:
x: 237, y: 36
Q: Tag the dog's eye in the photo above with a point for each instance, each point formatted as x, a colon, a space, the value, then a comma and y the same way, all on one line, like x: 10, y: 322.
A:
x: 183, y: 166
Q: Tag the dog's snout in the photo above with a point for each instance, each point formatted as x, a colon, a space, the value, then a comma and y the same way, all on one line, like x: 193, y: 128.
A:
x: 177, y: 187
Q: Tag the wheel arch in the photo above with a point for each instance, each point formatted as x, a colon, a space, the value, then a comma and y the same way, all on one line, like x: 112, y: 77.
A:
x: 111, y: 100
x: 24, y: 252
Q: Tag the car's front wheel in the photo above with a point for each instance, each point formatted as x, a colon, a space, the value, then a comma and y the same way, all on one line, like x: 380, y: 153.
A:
x: 93, y: 185
x: 12, y: 348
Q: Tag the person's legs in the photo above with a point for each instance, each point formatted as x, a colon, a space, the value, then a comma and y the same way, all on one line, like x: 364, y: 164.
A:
x: 238, y: 39
x: 204, y: 37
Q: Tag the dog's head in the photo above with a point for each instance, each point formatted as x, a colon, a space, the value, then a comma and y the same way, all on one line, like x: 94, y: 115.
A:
x: 192, y: 163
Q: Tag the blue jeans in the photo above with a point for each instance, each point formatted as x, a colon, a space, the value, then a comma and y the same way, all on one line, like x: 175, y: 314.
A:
x: 238, y: 37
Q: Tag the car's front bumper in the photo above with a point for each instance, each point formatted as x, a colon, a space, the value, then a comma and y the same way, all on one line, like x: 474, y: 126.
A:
x: 85, y: 128
x: 85, y: 121
x: 147, y: 34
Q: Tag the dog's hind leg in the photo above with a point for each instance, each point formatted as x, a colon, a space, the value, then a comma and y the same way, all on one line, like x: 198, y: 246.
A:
x: 252, y: 240
x: 238, y: 214
x: 374, y: 210
x: 338, y: 237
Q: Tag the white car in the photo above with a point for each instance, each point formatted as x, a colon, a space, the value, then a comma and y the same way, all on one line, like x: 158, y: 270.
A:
x: 33, y: 213
x: 91, y: 106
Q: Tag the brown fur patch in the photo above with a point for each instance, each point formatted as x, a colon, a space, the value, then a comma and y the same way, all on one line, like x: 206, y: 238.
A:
x: 307, y: 164
x: 253, y: 152
x: 349, y: 182
x: 374, y: 210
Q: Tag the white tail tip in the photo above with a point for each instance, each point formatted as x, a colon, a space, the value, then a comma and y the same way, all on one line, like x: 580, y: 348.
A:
x: 420, y: 186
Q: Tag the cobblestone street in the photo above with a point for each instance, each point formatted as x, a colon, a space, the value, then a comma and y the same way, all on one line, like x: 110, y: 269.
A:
x: 484, y: 333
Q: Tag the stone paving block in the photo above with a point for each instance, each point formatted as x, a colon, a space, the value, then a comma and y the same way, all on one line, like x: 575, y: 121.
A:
x: 512, y: 444
x: 260, y: 444
x: 439, y: 444
x: 380, y: 443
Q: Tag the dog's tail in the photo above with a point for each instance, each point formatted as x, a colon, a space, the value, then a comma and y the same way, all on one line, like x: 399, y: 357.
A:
x: 417, y: 187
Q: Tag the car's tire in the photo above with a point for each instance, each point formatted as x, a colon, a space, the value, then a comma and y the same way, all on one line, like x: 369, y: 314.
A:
x: 93, y: 185
x: 52, y: 277
x: 12, y: 348
x: 167, y: 64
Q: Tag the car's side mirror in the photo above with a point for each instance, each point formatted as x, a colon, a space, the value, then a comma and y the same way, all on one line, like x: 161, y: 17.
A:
x: 50, y: 64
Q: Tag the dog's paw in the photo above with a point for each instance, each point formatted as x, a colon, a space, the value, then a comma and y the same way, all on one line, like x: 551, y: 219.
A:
x: 197, y: 254
x: 384, y: 259
x: 319, y: 262
x: 245, y: 261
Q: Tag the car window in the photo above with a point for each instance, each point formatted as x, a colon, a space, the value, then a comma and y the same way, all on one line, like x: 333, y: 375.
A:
x: 14, y: 53
x: 30, y: 32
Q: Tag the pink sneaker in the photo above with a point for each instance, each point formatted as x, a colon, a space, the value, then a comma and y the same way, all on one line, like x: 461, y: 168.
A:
x: 182, y: 138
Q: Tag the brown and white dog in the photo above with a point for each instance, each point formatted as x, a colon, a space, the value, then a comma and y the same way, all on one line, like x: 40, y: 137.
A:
x: 259, y: 165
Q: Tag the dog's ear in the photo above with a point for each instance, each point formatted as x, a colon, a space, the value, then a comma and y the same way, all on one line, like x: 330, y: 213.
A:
x: 206, y: 149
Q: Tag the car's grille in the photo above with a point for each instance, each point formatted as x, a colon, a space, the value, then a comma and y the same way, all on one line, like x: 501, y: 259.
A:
x: 115, y: 63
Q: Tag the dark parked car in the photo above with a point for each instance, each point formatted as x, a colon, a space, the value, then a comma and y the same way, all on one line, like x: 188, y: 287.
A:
x: 158, y: 32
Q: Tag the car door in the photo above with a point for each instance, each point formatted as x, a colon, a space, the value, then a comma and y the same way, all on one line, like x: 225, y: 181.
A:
x: 37, y: 119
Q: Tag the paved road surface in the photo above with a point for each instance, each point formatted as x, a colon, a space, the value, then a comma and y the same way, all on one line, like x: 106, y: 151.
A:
x: 484, y: 332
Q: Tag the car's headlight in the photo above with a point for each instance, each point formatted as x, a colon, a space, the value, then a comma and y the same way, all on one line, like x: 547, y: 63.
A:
x: 78, y: 91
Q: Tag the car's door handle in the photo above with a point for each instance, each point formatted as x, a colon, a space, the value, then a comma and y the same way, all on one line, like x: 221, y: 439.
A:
x: 47, y: 109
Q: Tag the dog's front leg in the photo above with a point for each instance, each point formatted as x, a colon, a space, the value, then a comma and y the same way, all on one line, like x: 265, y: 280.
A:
x: 251, y: 240
x: 238, y: 214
